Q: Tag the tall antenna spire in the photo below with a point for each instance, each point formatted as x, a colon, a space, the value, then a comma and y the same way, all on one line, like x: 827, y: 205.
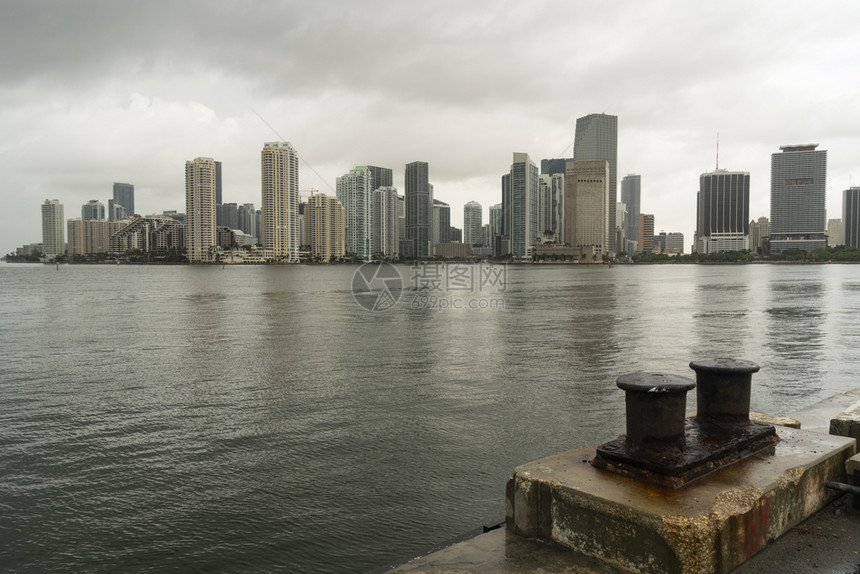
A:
x: 718, y: 152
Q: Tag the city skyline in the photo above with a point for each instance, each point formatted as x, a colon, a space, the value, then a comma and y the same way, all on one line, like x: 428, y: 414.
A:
x: 135, y: 112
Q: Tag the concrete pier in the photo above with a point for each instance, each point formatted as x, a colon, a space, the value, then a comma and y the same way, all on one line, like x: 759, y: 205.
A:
x: 710, y: 525
x: 753, y: 509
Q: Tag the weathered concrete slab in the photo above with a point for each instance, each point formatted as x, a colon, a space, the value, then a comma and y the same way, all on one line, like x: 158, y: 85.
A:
x: 776, y: 420
x: 710, y: 525
x: 766, y: 418
x: 817, y: 417
x: 847, y: 423
x: 502, y: 552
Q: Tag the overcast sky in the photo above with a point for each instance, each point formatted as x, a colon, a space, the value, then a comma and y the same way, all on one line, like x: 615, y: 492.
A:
x: 96, y: 92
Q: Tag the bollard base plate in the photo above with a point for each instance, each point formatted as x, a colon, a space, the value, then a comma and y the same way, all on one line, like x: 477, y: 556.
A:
x: 708, y: 445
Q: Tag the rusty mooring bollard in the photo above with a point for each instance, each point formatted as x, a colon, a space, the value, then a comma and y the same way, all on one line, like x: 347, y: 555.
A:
x: 723, y: 388
x: 655, y: 407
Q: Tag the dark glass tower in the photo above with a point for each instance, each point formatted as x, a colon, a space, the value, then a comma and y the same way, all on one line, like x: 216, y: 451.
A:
x: 419, y: 208
x: 123, y: 194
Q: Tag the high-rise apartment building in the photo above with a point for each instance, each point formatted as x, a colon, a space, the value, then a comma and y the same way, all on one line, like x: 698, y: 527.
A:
x: 247, y: 215
x: 280, y: 209
x: 93, y: 209
x: 798, y: 218
x: 53, y: 238
x: 355, y: 193
x: 553, y: 166
x: 151, y: 233
x: 551, y: 206
x: 495, y: 225
x: 326, y: 220
x: 123, y: 194
x: 473, y: 214
x: 401, y: 217
x: 419, y: 209
x: 200, y: 208
x: 382, y: 176
x: 229, y: 215
x: 722, y: 211
x: 646, y: 232
x: 440, y: 228
x: 496, y: 219
x: 87, y: 236
x: 218, y: 217
x: 835, y: 232
x: 622, y: 224
x: 586, y: 204
x: 631, y: 191
x: 116, y: 211
x: 851, y: 216
x: 386, y: 242
x: 597, y: 139
x: 759, y: 234
x: 520, y: 190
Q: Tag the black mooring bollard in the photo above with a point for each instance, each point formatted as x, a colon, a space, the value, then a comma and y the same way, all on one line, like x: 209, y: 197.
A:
x: 723, y: 388
x: 655, y: 407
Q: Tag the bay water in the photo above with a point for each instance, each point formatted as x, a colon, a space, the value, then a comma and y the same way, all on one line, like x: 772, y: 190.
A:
x: 260, y: 419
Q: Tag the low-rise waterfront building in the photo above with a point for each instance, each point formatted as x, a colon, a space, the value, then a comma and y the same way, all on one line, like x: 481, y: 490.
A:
x: 453, y: 250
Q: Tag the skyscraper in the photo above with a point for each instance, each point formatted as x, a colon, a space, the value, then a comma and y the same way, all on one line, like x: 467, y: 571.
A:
x: 384, y: 219
x: 123, y: 194
x: 382, y: 176
x: 646, y: 232
x: 53, y: 234
x: 520, y: 190
x: 631, y: 190
x: 355, y: 193
x: 586, y: 204
x: 248, y: 219
x: 116, y: 211
x: 759, y: 232
x: 326, y: 219
x: 722, y: 212
x: 218, y: 198
x: 440, y: 229
x: 280, y: 209
x: 851, y: 216
x: 836, y: 231
x: 597, y: 139
x: 622, y: 224
x: 93, y: 209
x: 553, y: 166
x: 229, y: 215
x: 798, y: 178
x: 86, y: 236
x: 200, y: 207
x: 496, y: 219
x: 495, y: 225
x: 472, y: 223
x: 419, y: 209
x: 551, y: 206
